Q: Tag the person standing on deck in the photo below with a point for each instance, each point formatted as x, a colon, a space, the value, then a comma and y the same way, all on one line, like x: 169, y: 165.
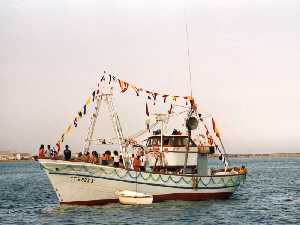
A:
x: 67, y: 153
x: 48, y: 152
x: 131, y: 161
x: 116, y: 159
x: 121, y: 162
x: 137, y: 163
x: 143, y: 161
x: 42, y: 152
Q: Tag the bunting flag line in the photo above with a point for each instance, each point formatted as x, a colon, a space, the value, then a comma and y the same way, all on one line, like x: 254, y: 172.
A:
x: 150, y: 95
x: 79, y: 115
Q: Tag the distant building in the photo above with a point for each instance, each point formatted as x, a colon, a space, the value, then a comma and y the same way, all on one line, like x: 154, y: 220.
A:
x: 23, y: 156
x: 7, y: 155
x: 4, y: 155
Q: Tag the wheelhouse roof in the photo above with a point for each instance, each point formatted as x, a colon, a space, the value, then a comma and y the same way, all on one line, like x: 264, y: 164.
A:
x: 158, y: 135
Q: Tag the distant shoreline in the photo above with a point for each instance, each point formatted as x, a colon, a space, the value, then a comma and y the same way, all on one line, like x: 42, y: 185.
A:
x: 260, y: 155
x: 23, y: 160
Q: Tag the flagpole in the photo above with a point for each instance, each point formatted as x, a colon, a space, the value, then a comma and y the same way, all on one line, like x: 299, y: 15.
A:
x: 224, y: 149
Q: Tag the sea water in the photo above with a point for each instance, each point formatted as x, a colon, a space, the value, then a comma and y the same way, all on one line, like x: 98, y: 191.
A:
x: 271, y: 195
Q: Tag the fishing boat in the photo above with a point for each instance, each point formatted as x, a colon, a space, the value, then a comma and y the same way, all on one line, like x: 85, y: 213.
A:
x: 176, y: 162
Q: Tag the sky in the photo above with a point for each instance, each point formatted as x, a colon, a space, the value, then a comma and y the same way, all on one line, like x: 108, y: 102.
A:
x: 244, y: 57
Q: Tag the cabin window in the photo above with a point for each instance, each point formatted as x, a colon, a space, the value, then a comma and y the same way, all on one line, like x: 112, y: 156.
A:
x: 153, y: 141
x: 173, y: 141
x: 166, y: 141
x: 179, y: 141
x: 185, y: 141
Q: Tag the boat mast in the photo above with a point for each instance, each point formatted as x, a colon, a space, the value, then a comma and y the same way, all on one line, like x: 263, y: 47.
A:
x: 116, y: 124
x: 188, y: 51
x: 108, y: 99
x: 88, y: 139
x: 191, y: 89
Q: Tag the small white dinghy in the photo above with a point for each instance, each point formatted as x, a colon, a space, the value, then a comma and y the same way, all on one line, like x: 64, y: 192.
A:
x: 134, y: 198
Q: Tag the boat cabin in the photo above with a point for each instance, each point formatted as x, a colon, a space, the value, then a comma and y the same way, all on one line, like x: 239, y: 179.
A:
x: 173, y: 152
x: 175, y: 141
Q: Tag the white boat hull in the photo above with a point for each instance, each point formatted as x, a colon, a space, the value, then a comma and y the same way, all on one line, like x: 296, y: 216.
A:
x: 84, y: 183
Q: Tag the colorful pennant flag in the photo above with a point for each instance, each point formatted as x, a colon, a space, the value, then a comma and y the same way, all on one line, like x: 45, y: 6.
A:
x: 174, y: 98
x: 154, y: 95
x: 111, y: 78
x: 98, y: 89
x: 88, y: 101
x: 94, y: 94
x: 207, y: 132
x: 137, y: 90
x: 123, y: 86
x: 147, y: 110
x: 75, y: 122
x: 68, y: 129
x: 80, y: 114
x: 84, y: 109
x: 215, y: 128
x: 170, y: 110
x: 165, y: 98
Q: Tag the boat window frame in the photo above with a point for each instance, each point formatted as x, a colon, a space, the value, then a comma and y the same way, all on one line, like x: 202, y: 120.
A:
x: 178, y: 141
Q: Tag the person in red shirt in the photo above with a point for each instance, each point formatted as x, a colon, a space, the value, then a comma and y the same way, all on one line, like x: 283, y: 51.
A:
x: 42, y: 152
x: 137, y: 163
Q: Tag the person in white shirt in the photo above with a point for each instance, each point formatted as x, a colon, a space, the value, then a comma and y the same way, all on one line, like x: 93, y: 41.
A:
x: 143, y: 162
x: 48, y: 152
x: 131, y: 161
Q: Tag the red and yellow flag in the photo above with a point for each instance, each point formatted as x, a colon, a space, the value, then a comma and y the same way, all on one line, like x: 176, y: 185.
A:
x: 216, y: 130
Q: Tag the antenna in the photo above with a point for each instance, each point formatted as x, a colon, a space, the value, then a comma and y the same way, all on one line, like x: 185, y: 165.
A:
x: 188, y: 49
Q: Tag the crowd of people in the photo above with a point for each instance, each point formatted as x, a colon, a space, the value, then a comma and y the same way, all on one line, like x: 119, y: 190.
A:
x: 52, y: 152
x: 136, y: 162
